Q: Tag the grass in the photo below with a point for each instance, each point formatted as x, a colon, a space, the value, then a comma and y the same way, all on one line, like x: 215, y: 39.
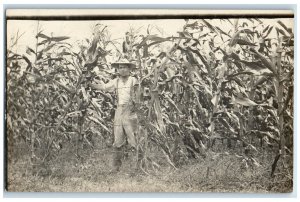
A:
x: 215, y: 173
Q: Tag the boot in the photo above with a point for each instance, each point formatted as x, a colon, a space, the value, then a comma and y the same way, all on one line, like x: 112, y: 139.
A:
x: 116, y: 160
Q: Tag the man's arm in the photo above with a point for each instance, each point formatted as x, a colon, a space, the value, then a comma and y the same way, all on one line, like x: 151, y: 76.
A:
x: 134, y: 81
x: 110, y: 86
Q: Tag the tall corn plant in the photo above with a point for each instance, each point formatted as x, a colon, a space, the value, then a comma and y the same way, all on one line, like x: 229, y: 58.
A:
x: 48, y: 98
x: 281, y: 63
x: 168, y: 92
x: 222, y: 91
x: 248, y: 53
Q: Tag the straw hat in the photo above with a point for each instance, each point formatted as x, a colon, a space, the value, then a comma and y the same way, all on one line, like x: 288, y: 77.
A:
x: 124, y: 62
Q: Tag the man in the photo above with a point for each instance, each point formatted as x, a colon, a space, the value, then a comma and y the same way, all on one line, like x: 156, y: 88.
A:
x: 125, y: 121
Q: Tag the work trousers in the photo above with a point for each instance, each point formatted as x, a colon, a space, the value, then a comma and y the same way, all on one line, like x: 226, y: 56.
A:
x: 125, y: 126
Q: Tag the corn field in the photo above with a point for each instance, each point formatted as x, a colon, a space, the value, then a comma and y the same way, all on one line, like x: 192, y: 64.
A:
x: 218, y: 94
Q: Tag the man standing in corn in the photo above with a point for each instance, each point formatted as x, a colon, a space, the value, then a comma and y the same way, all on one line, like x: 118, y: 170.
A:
x: 125, y: 120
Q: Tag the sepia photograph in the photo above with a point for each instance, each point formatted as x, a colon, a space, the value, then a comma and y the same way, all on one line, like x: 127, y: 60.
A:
x: 139, y: 100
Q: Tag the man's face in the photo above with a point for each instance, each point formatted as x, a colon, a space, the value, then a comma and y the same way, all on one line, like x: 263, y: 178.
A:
x: 124, y: 70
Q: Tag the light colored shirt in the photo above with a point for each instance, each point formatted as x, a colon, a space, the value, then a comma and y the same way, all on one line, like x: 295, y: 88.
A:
x: 123, y: 91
